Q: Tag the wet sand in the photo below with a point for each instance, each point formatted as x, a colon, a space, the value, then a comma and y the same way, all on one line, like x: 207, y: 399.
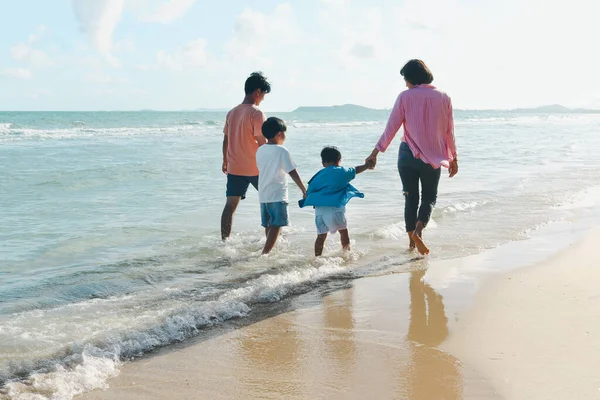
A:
x: 529, y: 333
x: 535, y: 333
x: 377, y: 339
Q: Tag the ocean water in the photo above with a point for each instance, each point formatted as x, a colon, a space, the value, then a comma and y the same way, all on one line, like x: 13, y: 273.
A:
x: 109, y: 225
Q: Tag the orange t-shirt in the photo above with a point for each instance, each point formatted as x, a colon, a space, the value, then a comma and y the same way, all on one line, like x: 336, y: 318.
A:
x: 242, y: 125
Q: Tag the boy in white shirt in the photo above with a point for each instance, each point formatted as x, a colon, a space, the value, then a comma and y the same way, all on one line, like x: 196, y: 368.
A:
x: 274, y: 165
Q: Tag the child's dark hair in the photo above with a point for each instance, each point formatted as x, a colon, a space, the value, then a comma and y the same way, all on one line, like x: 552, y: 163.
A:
x: 272, y: 126
x: 416, y: 72
x: 330, y: 154
x: 255, y: 81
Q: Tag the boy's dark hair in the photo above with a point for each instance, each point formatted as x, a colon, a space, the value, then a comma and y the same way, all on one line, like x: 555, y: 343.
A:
x: 416, y: 72
x: 257, y: 80
x: 272, y: 126
x: 330, y: 154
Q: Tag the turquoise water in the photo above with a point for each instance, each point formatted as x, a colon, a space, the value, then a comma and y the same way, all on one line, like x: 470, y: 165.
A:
x: 110, y: 225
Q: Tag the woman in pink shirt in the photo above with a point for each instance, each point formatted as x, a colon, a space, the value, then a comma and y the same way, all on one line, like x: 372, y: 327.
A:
x: 427, y: 145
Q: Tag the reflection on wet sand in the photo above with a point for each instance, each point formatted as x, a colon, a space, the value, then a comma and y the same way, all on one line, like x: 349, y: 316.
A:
x: 351, y: 346
x: 340, y: 343
x: 322, y: 352
x: 375, y: 340
x: 429, y: 372
x: 271, y: 360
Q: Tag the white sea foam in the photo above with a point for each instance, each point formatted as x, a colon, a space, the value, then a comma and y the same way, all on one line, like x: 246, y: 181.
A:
x: 273, y: 287
x: 585, y: 198
x: 530, y: 119
x: 7, y: 134
x: 64, y: 383
x: 458, y: 207
x: 118, y: 334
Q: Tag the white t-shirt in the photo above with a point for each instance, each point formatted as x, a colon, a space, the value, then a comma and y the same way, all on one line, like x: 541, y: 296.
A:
x: 274, y: 164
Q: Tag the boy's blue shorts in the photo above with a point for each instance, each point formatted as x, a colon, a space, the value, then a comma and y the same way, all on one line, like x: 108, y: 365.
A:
x: 274, y: 214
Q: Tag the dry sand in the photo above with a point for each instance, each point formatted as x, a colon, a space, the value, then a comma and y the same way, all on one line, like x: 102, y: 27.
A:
x: 535, y: 333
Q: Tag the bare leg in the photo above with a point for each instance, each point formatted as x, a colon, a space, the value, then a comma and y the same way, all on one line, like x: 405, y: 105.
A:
x: 417, y: 237
x: 411, y: 242
x: 345, y: 238
x: 272, y: 235
x: 319, y: 243
x: 227, y: 216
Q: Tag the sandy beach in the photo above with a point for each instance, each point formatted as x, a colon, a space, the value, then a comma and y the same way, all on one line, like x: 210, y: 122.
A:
x: 534, y: 333
x: 527, y: 334
x: 376, y: 339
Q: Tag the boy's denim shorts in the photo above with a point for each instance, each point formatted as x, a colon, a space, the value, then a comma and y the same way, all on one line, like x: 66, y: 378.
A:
x: 274, y: 214
x: 330, y: 219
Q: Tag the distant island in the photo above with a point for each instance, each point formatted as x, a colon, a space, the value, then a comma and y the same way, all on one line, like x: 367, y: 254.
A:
x: 556, y: 109
x: 343, y: 108
x: 211, y: 109
x: 353, y: 108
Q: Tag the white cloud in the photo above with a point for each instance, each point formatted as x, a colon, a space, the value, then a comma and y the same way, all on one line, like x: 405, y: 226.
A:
x: 101, y: 78
x: 192, y: 54
x: 146, y: 67
x: 89, y: 61
x: 257, y: 32
x: 126, y: 45
x: 163, y: 12
x: 38, y: 34
x: 98, y: 20
x: 16, y: 73
x: 27, y: 53
x: 335, y: 3
x: 358, y: 33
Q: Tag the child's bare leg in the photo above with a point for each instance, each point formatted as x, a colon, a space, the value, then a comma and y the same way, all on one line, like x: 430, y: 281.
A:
x: 267, y: 228
x: 411, y: 241
x: 345, y: 238
x: 319, y: 244
x: 272, y: 235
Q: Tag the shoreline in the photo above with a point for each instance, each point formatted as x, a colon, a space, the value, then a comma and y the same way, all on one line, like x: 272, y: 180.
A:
x: 386, y: 336
x: 378, y: 338
x: 396, y: 326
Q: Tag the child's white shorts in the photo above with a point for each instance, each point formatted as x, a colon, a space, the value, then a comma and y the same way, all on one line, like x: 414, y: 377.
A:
x: 330, y: 219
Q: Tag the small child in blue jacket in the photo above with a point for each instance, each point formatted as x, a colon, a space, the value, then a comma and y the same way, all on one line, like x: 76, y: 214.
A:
x: 328, y: 192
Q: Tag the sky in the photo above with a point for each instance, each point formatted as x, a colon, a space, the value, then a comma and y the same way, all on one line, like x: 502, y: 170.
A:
x: 189, y: 54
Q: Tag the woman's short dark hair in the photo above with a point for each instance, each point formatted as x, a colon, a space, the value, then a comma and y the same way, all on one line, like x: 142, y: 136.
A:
x: 272, y: 126
x: 255, y: 81
x: 416, y: 72
x: 330, y: 154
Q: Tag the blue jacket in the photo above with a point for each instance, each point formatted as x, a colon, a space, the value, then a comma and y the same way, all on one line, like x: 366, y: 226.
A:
x: 331, y: 187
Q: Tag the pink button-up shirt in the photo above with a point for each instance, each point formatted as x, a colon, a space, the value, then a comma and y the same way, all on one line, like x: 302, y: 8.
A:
x: 428, y: 125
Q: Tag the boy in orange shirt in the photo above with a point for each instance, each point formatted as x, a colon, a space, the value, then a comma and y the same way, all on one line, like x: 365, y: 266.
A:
x: 243, y: 136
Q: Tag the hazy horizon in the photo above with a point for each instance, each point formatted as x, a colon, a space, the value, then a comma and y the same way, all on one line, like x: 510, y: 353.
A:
x: 186, y: 54
x: 216, y: 110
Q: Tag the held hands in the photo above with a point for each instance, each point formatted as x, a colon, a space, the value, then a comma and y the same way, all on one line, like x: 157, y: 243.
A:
x: 371, y: 161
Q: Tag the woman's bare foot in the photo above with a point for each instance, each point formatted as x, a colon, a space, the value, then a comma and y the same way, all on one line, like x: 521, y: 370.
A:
x: 411, y: 243
x: 420, y: 244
